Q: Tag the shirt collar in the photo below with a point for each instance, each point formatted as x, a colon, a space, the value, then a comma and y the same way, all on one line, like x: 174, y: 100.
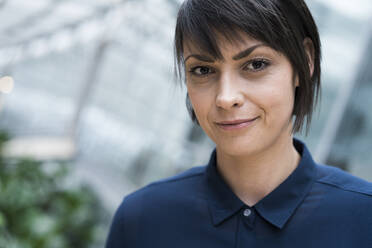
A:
x: 277, y: 207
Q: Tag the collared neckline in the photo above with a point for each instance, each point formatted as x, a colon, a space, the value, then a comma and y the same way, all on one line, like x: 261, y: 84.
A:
x: 277, y: 207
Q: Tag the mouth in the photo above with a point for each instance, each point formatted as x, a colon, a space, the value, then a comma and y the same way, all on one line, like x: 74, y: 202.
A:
x: 236, y: 124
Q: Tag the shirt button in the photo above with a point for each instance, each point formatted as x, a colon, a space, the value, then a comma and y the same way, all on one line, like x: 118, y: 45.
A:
x: 247, y: 212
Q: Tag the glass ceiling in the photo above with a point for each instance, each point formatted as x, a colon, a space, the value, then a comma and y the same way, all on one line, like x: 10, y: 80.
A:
x: 117, y: 57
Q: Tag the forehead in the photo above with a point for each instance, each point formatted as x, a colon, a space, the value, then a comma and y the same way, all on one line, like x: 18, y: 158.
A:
x: 223, y: 44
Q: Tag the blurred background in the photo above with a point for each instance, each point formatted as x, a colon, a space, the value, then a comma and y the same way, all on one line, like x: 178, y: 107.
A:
x: 94, y: 112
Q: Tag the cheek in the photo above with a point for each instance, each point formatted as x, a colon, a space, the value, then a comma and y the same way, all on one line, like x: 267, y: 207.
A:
x: 277, y: 103
x: 200, y: 102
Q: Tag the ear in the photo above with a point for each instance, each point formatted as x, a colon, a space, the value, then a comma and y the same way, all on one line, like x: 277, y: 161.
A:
x: 309, y: 49
x: 297, y: 81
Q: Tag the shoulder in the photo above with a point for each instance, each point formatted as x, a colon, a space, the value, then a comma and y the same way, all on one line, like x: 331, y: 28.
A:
x: 155, y: 203
x: 184, y: 181
x: 344, y: 192
x: 343, y: 181
x: 186, y: 176
x: 341, y: 195
x: 185, y: 185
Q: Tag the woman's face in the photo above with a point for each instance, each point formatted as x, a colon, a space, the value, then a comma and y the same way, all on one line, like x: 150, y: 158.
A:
x: 244, y: 102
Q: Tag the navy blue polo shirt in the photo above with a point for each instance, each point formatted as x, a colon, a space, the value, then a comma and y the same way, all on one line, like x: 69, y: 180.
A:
x: 316, y: 206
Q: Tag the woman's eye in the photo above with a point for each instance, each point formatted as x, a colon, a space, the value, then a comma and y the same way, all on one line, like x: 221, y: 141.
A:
x: 257, y: 65
x: 200, y: 70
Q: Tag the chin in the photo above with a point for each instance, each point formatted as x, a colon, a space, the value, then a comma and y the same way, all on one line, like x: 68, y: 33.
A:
x: 239, y: 147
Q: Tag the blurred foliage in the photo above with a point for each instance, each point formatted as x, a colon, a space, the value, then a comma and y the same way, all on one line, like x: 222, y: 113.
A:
x: 38, y: 211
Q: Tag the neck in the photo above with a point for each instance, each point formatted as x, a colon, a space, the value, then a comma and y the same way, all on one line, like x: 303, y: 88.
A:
x: 252, y: 177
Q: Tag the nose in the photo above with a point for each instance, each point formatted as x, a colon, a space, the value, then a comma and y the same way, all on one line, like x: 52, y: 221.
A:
x: 229, y: 93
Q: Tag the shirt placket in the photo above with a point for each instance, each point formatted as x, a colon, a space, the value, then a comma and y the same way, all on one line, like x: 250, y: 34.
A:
x: 247, y: 216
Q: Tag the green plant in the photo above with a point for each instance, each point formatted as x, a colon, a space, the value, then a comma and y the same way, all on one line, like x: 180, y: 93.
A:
x: 38, y: 211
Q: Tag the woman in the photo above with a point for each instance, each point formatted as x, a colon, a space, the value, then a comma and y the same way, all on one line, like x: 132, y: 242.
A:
x: 252, y: 71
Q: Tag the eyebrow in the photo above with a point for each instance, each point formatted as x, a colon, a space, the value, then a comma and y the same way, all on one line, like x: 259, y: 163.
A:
x: 238, y: 56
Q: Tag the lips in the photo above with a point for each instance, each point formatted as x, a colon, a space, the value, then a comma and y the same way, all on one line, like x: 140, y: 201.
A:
x: 235, y: 124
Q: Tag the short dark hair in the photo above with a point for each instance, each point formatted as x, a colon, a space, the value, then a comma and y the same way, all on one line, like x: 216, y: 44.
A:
x: 281, y: 24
